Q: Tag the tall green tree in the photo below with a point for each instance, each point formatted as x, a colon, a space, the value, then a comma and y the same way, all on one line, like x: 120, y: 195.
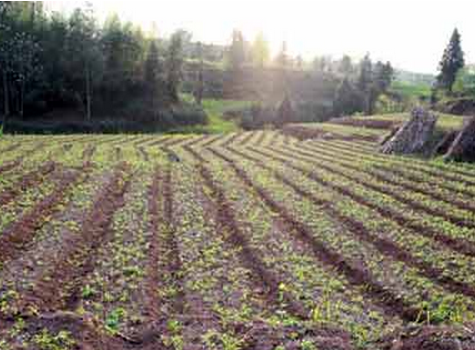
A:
x: 365, y: 84
x: 365, y: 77
x: 199, y: 88
x: 383, y: 76
x: 347, y: 100
x: 19, y: 51
x: 174, y: 67
x: 452, y: 61
x: 153, y: 73
x: 6, y: 53
x: 86, y: 58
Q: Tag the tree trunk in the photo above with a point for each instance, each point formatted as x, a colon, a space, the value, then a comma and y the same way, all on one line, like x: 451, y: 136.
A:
x: 6, y: 97
x: 22, y: 98
x: 88, y: 93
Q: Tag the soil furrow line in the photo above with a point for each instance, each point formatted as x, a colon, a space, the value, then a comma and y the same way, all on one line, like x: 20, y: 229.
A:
x: 10, y: 165
x: 33, y: 178
x: 160, y: 141
x: 194, y: 141
x: 59, y: 287
x: 260, y: 140
x: 231, y: 140
x: 20, y: 232
x: 212, y: 140
x: 144, y: 154
x: 245, y: 140
x: 164, y: 265
x: 10, y: 148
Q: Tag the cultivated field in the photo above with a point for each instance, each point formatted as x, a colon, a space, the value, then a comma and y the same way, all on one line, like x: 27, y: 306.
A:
x: 242, y: 241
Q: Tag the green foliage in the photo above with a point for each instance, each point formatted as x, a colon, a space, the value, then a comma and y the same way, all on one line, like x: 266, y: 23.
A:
x: 347, y: 99
x: 410, y: 90
x: 153, y: 70
x: 47, y: 341
x: 87, y: 292
x: 452, y: 61
x: 216, y: 110
x: 174, y: 65
x: 464, y: 84
x: 114, y: 319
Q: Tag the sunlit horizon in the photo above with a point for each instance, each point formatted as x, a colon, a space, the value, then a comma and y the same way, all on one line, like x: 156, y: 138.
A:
x: 410, y: 34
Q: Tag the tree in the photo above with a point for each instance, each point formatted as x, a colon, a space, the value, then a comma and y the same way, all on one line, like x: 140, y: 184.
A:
x: 85, y: 55
x: 199, y: 89
x: 366, y: 84
x: 383, y: 76
x: 465, y: 82
x: 18, y: 62
x: 237, y: 51
x: 5, y: 65
x: 152, y: 73
x: 260, y: 51
x: 365, y: 77
x: 123, y: 51
x: 174, y: 67
x: 347, y: 100
x: 452, y: 61
x: 345, y: 66
x: 25, y: 65
x: 5, y: 53
x: 282, y: 60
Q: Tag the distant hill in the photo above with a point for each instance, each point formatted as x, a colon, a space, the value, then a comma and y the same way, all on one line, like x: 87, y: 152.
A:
x: 414, y: 78
x: 411, y: 84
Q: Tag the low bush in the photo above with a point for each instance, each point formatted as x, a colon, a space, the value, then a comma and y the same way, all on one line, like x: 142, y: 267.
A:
x: 146, y: 122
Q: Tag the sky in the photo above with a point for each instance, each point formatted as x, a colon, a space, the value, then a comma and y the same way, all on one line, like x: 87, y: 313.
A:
x: 412, y: 34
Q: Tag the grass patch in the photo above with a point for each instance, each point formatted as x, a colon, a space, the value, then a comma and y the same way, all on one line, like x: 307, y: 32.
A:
x: 445, y: 122
x: 215, y: 110
x: 409, y: 90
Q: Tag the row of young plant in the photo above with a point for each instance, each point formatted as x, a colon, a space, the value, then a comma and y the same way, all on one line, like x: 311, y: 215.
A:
x: 405, y: 167
x: 220, y: 287
x: 419, y: 207
x: 424, y: 249
x: 437, y: 202
x: 327, y: 297
x: 21, y: 277
x: 395, y: 274
x: 436, y: 166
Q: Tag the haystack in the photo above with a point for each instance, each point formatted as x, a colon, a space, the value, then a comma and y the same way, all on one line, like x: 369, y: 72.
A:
x: 463, y: 148
x: 414, y: 135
